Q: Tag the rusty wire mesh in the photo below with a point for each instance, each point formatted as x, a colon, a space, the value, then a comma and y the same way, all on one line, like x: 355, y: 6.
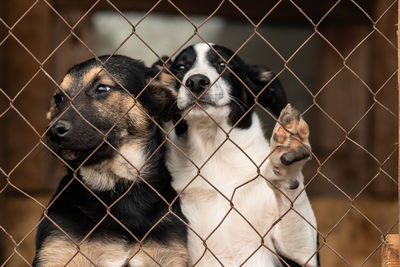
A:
x: 315, y: 24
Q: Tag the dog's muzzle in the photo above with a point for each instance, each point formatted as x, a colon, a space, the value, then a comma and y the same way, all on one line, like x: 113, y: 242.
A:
x: 197, y: 83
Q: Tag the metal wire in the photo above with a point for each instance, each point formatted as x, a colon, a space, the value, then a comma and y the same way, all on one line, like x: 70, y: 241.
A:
x: 286, y: 68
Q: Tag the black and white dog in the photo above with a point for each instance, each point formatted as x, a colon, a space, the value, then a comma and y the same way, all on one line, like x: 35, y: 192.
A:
x: 99, y: 217
x: 236, y: 187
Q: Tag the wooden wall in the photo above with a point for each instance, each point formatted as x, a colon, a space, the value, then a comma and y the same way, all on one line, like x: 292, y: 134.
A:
x: 385, y: 133
x: 18, y: 138
x: 38, y: 175
x: 360, y: 109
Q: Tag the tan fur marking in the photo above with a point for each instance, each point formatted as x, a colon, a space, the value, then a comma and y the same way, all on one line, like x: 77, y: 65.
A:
x: 106, y: 79
x: 90, y: 75
x: 58, y: 251
x: 129, y: 160
x: 113, y: 102
x: 118, y: 104
x: 124, y: 165
x: 136, y: 113
x: 163, y: 82
x: 99, y: 177
x: 67, y: 82
x: 167, y: 80
x: 48, y: 115
x: 138, y: 117
x: 170, y: 255
x: 52, y: 110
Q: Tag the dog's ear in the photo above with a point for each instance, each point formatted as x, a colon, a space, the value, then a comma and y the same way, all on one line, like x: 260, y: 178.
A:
x: 159, y: 63
x: 163, y: 95
x: 273, y: 97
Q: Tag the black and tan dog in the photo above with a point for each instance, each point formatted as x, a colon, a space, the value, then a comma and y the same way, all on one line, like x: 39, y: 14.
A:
x: 116, y: 211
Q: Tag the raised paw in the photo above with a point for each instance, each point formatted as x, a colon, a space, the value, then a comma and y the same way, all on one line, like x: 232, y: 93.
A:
x: 289, y: 142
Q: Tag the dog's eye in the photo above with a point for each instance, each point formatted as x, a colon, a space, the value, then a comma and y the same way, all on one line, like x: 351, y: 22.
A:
x: 180, y: 67
x: 58, y: 98
x: 222, y: 64
x: 102, y: 88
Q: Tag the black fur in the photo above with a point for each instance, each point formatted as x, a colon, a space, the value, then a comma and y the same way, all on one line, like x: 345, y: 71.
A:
x: 247, y: 81
x: 273, y: 96
x: 76, y: 210
x: 287, y: 262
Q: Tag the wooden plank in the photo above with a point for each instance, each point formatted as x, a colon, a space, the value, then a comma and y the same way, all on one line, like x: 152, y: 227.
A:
x: 3, y: 102
x: 63, y: 58
x: 345, y: 99
x: 398, y: 101
x: 353, y: 238
x: 19, y: 67
x: 390, y: 251
x: 23, y: 216
x: 385, y: 126
x: 285, y: 13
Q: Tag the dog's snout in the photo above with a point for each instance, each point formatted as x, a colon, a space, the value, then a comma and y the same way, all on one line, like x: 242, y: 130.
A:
x: 198, y: 83
x: 61, y: 128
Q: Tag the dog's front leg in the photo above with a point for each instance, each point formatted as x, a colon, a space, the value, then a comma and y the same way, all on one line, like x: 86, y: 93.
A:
x: 296, y: 237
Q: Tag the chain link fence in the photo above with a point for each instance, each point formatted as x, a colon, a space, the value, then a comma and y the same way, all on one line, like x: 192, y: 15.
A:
x: 358, y: 49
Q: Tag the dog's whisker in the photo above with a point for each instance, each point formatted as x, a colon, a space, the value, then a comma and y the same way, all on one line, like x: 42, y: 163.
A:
x: 172, y: 107
x: 240, y: 103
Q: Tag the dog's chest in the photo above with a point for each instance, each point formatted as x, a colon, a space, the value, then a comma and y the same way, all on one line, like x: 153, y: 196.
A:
x: 222, y: 194
x: 231, y: 229
x: 207, y: 160
x: 230, y: 216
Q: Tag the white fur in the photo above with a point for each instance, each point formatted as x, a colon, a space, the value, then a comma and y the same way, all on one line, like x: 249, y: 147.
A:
x: 227, y: 174
x: 220, y: 89
x: 254, y: 199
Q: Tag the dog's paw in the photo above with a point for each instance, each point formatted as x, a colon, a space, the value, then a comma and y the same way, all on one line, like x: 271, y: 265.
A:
x: 289, y: 143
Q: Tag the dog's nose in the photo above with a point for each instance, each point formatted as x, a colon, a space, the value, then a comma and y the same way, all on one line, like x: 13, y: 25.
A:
x: 197, y: 83
x: 61, y: 128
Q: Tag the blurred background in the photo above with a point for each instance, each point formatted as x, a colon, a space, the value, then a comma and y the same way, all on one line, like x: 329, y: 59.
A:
x: 337, y: 61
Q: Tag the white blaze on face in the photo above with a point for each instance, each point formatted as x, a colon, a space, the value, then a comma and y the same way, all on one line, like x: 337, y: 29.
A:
x: 220, y: 89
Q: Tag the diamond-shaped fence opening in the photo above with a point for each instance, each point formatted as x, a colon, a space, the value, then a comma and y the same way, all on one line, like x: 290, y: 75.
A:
x: 336, y: 60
